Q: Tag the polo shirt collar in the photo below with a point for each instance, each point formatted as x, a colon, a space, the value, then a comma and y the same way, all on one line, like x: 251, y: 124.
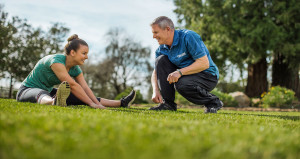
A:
x: 175, y: 40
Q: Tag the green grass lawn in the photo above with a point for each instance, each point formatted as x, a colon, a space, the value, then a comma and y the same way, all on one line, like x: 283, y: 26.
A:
x: 38, y: 131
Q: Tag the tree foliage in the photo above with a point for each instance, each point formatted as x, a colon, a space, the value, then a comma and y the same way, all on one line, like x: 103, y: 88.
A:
x: 245, y: 32
x: 286, y: 54
x: 22, y: 45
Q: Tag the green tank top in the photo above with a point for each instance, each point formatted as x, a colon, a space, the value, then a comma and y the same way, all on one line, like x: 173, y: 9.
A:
x: 43, y: 77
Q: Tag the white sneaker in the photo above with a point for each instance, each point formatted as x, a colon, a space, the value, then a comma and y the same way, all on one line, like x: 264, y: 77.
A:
x: 62, y: 94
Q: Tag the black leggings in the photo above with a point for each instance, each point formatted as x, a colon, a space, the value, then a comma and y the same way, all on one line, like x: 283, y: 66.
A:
x: 34, y: 95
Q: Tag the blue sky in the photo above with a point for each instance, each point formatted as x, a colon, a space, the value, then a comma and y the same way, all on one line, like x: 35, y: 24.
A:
x: 91, y: 19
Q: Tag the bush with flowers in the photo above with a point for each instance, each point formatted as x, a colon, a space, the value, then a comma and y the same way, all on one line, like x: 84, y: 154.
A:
x: 278, y: 97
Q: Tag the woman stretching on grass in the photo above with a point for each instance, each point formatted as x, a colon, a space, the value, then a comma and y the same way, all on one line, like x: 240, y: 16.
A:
x: 58, y: 68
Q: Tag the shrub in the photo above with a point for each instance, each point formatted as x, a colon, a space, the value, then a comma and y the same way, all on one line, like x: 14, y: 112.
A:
x: 230, y: 87
x: 278, y: 97
x: 138, y: 98
x: 227, y: 99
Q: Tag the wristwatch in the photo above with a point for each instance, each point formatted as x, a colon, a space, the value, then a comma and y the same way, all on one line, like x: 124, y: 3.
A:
x: 179, y: 72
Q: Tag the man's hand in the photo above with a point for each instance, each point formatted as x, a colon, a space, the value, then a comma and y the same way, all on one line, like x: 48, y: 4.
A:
x: 156, y: 97
x: 173, y: 77
x: 97, y: 106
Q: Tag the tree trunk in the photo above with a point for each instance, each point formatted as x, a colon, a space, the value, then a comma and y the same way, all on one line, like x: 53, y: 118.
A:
x: 116, y: 86
x: 10, y: 87
x: 257, y: 78
x: 285, y: 76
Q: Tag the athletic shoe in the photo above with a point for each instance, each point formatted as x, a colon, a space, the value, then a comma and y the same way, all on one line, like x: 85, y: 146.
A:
x: 127, y: 101
x: 213, y: 109
x: 164, y: 106
x: 62, y: 94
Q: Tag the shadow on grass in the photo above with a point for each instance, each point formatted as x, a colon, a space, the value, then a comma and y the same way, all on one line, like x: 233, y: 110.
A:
x: 147, y: 111
x: 143, y: 110
x: 286, y: 117
x: 78, y: 107
x: 132, y: 110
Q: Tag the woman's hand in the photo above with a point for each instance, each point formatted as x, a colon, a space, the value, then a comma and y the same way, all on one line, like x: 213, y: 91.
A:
x: 97, y: 106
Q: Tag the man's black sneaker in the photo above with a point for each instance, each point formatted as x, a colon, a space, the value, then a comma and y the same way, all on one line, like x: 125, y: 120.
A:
x: 164, y: 106
x: 207, y: 110
x: 127, y: 101
x: 213, y: 109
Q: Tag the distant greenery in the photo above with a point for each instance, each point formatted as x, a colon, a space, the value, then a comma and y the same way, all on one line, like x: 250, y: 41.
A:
x: 32, y: 131
x: 229, y: 87
x: 278, y: 97
x: 227, y: 99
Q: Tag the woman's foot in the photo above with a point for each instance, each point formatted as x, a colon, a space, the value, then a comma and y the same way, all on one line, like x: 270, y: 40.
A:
x: 62, y: 94
x: 127, y: 101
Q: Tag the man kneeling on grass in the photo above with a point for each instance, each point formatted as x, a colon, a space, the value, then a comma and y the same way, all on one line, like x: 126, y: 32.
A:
x: 55, y: 69
x: 182, y: 61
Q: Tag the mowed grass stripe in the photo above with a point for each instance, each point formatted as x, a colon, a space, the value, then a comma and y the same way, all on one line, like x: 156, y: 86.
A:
x: 39, y: 131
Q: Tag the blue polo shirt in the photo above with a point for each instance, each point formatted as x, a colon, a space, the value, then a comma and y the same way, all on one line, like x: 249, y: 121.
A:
x: 187, y: 46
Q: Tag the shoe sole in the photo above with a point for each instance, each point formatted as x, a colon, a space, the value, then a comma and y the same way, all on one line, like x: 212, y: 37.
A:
x: 163, y: 110
x: 215, y: 110
x: 132, y: 100
x: 160, y: 109
x: 62, y: 94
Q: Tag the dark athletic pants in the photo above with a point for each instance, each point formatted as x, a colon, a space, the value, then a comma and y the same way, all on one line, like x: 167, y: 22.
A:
x: 34, y: 95
x: 195, y: 88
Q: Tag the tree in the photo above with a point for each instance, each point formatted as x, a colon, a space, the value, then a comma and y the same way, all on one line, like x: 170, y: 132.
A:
x: 7, y: 30
x: 242, y: 31
x: 22, y: 46
x: 126, y: 64
x: 286, y: 57
x: 98, y: 77
x: 16, y: 33
x: 129, y: 60
x: 196, y: 16
x: 54, y: 39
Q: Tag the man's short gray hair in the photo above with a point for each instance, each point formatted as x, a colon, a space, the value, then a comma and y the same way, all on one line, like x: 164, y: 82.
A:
x: 163, y: 22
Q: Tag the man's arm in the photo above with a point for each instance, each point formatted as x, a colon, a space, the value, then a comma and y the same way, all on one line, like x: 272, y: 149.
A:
x: 156, y: 96
x: 199, y: 65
